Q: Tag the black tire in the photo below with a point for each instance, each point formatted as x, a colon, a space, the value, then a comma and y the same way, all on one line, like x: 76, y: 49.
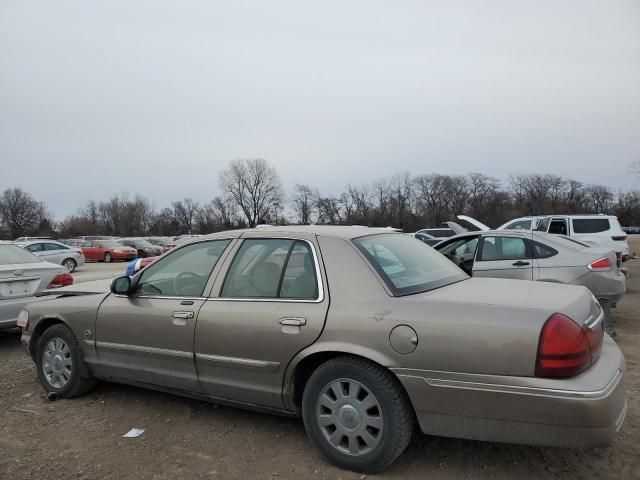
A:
x: 396, y: 411
x: 141, y: 254
x: 79, y: 380
x: 70, y: 263
x: 108, y: 258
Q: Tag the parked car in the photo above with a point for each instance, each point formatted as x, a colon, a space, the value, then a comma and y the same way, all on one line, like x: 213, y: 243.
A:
x: 27, y: 239
x: 107, y: 251
x: 85, y: 238
x: 56, y: 252
x: 601, y: 230
x: 142, y: 246
x: 426, y: 238
x: 539, y: 256
x: 437, y: 232
x: 358, y: 331
x: 22, y: 275
x: 162, y: 242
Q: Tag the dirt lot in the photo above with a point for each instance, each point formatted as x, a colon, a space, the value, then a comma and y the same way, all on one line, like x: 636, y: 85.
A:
x: 82, y: 438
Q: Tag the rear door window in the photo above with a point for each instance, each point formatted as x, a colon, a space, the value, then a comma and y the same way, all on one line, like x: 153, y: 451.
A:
x: 590, y: 225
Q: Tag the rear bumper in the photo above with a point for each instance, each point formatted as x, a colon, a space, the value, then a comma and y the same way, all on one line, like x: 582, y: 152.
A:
x: 584, y: 411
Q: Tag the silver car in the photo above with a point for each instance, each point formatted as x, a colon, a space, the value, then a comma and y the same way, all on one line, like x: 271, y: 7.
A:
x: 22, y: 275
x: 527, y: 255
x: 56, y: 252
x: 364, y: 333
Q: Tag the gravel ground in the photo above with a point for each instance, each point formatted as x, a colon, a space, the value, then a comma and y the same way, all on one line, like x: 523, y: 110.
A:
x: 183, y: 438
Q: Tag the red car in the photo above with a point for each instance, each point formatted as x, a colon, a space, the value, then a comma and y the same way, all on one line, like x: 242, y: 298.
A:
x: 107, y: 251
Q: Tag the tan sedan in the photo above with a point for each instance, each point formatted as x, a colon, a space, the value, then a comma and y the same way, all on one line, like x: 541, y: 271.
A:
x: 364, y: 333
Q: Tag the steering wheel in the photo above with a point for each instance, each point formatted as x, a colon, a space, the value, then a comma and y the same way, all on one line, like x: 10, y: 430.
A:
x: 180, y: 279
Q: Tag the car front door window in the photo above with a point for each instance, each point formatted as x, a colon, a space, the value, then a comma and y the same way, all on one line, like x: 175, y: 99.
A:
x: 184, y: 273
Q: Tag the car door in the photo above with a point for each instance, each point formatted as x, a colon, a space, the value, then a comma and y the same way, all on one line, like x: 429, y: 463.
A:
x: 89, y: 249
x: 504, y: 257
x: 270, y: 305
x: 148, y: 336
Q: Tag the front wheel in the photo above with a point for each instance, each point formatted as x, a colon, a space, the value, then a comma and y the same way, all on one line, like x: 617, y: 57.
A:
x: 108, y: 258
x: 59, y: 361
x: 357, y: 414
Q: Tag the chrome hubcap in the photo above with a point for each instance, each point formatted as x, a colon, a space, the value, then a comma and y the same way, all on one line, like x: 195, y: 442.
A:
x: 350, y: 417
x: 57, y: 363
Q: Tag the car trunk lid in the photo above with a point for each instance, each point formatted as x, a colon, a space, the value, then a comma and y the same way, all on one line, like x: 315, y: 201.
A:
x: 24, y: 280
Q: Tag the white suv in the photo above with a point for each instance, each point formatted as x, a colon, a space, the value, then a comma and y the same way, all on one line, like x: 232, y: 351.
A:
x: 602, y: 230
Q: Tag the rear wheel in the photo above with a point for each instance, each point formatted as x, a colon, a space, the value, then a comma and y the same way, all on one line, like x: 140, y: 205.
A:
x: 357, y: 414
x: 69, y: 264
x: 141, y: 254
x: 59, y: 362
x: 108, y: 258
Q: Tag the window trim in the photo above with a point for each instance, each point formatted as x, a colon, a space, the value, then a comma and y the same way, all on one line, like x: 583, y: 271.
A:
x: 316, y: 266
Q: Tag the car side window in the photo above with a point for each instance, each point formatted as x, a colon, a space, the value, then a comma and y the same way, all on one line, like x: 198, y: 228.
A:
x: 272, y: 268
x: 257, y: 269
x: 34, y: 247
x: 558, y: 226
x: 184, y: 272
x: 543, y: 251
x: 54, y: 246
x: 299, y: 279
x: 503, y: 248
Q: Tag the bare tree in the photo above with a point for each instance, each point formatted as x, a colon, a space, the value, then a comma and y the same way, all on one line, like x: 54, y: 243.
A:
x: 303, y: 203
x: 20, y: 212
x: 600, y: 198
x: 254, y: 186
x: 635, y: 168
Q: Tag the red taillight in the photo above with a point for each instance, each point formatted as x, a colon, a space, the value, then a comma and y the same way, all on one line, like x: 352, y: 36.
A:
x: 600, y: 264
x: 61, y: 280
x: 565, y: 349
x: 620, y: 238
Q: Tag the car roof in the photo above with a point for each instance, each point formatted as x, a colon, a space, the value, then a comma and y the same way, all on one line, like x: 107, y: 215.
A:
x: 336, y: 231
x: 507, y: 233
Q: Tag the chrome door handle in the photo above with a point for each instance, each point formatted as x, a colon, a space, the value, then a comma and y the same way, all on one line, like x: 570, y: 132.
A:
x: 293, y: 321
x: 183, y: 315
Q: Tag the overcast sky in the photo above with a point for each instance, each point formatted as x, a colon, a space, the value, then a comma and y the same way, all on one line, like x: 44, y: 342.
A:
x: 155, y: 97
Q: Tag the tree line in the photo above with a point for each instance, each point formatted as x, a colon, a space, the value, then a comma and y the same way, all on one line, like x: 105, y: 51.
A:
x: 251, y: 193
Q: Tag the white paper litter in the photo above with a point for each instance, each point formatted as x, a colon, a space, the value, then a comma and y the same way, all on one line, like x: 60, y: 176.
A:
x: 133, y: 433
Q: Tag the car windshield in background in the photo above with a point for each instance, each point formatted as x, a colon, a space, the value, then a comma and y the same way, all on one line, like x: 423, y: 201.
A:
x: 406, y: 265
x: 12, y: 254
x: 110, y: 244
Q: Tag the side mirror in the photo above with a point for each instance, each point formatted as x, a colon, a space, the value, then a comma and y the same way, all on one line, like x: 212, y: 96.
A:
x: 121, y: 286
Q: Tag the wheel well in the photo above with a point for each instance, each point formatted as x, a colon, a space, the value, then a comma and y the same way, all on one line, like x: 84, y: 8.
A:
x: 309, y: 364
x: 40, y: 328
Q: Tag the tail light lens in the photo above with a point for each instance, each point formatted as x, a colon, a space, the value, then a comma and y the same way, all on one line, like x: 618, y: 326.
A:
x: 600, y: 264
x: 61, y: 280
x: 620, y: 238
x: 565, y: 349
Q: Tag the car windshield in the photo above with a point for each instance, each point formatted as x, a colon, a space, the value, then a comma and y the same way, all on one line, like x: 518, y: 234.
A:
x: 12, y: 254
x: 158, y: 241
x: 109, y: 244
x: 406, y: 265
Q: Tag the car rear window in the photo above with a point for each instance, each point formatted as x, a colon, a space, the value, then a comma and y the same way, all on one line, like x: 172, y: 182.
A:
x: 12, y: 254
x: 407, y: 266
x: 590, y: 225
